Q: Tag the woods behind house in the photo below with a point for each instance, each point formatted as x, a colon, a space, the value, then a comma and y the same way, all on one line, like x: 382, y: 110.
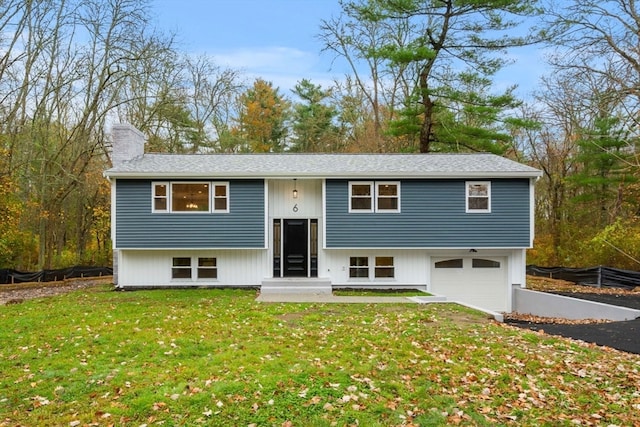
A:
x: 423, y: 79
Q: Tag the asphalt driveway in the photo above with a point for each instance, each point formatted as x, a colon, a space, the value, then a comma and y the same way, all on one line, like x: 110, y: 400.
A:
x: 623, y: 336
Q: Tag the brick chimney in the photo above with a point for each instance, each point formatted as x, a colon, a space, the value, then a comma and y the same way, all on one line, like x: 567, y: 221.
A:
x: 127, y: 144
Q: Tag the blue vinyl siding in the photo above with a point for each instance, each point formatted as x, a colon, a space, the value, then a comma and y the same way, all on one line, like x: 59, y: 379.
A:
x: 432, y: 215
x: 242, y: 227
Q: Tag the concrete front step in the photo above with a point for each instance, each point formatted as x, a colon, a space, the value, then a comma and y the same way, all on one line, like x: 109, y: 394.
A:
x: 298, y: 285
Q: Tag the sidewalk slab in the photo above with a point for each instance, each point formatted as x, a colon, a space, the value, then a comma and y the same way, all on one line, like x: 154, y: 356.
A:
x: 325, y: 298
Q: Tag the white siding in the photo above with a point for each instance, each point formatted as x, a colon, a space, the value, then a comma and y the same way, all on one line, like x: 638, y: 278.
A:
x: 307, y: 205
x: 411, y: 268
x: 153, y: 267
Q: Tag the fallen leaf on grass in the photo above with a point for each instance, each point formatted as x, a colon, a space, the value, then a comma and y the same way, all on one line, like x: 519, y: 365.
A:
x: 530, y: 318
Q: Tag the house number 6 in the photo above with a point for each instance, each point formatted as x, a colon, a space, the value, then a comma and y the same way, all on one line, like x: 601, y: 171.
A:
x: 295, y: 207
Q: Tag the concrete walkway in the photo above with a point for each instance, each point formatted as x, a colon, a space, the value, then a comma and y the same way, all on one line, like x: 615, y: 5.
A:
x: 329, y: 298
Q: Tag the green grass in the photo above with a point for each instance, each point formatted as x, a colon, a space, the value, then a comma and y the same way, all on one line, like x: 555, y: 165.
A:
x: 218, y: 357
x: 380, y: 292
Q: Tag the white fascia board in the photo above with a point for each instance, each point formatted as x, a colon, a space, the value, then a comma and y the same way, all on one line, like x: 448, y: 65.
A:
x: 305, y: 175
x: 434, y: 248
x: 192, y: 249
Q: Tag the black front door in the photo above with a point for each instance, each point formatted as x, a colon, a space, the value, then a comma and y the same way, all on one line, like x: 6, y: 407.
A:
x: 295, y: 247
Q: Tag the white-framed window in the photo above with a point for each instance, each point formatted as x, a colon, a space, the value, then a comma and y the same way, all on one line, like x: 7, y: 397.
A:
x: 194, y: 268
x: 361, y: 196
x: 378, y: 196
x: 181, y: 268
x: 364, y: 267
x: 207, y: 268
x: 387, y: 196
x: 384, y: 267
x: 160, y: 196
x: 190, y: 197
x: 478, y: 196
x: 220, y: 197
x: 359, y: 267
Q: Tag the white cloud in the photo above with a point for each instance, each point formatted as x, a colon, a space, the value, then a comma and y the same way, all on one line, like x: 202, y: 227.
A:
x: 268, y: 59
x: 283, y: 66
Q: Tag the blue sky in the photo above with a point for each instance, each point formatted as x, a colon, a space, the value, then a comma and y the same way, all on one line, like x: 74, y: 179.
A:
x: 276, y: 40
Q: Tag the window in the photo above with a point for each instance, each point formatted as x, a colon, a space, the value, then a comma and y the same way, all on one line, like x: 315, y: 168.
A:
x: 181, y: 268
x: 387, y: 195
x: 160, y: 197
x: 478, y: 197
x: 189, y: 197
x: 363, y: 198
x: 207, y: 268
x: 220, y: 200
x: 449, y: 263
x: 200, y: 197
x: 359, y: 267
x: 484, y: 263
x: 384, y: 267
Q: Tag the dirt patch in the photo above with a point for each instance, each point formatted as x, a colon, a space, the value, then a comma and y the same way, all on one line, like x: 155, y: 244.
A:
x: 291, y: 319
x: 16, y: 294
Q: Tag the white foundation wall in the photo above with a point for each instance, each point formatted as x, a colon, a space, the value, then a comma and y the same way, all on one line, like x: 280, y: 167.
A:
x: 152, y: 268
x: 411, y: 268
x: 518, y: 267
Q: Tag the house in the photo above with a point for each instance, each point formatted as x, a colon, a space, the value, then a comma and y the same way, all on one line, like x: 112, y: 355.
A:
x: 456, y: 225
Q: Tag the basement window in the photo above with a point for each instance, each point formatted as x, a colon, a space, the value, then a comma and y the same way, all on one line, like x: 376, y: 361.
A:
x: 207, y: 268
x: 359, y: 267
x: 384, y: 267
x: 181, y: 268
x: 188, y: 268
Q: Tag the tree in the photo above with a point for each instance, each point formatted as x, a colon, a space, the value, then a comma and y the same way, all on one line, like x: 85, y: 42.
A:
x: 468, y: 117
x: 604, y: 169
x: 446, y: 42
x: 313, y: 126
x: 381, y: 86
x: 589, y: 180
x: 210, y: 91
x: 65, y: 67
x: 262, y: 118
x: 598, y: 40
x: 171, y: 127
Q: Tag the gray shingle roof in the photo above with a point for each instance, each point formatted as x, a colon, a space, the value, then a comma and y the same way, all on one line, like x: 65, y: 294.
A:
x: 321, y: 165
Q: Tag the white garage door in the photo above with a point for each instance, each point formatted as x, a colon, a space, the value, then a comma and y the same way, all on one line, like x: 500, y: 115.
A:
x: 479, y: 281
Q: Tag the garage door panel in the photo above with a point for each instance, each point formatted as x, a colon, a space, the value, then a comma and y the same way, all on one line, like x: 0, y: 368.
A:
x: 480, y: 281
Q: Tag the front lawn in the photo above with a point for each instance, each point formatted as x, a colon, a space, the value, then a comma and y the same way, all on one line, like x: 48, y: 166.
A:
x: 218, y: 357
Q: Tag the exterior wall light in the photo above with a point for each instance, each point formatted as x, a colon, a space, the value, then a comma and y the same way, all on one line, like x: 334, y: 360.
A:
x: 295, y: 190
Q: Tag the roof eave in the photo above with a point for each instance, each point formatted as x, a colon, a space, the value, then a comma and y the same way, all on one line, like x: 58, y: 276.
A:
x: 291, y: 175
